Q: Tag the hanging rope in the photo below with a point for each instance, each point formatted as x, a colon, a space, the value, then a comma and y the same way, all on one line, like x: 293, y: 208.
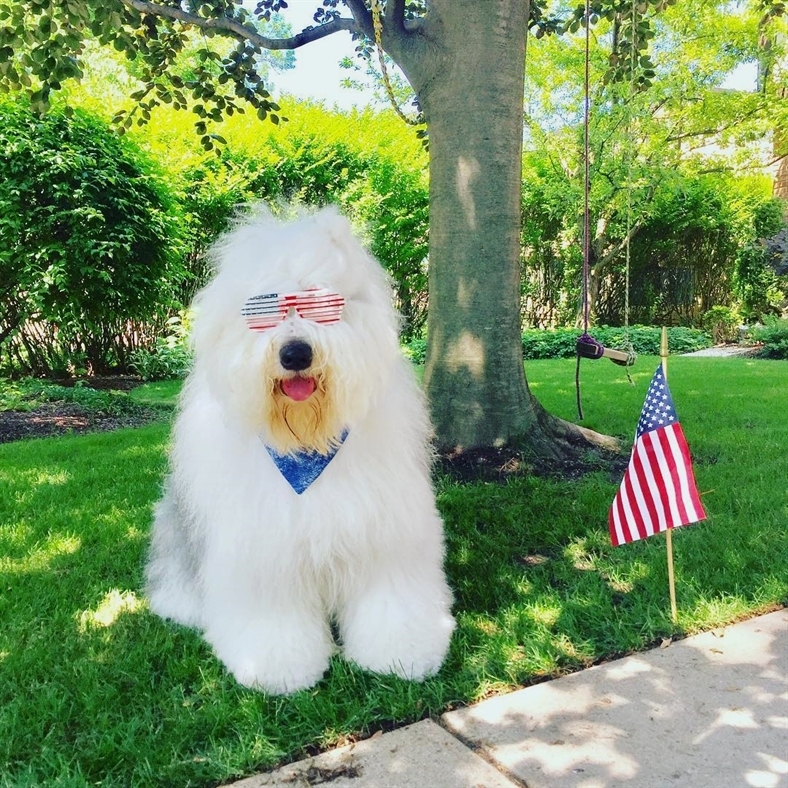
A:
x: 377, y: 24
x: 630, y: 156
x: 586, y: 167
x: 586, y: 345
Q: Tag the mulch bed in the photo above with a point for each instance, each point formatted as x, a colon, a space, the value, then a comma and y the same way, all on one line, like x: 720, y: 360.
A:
x: 63, y: 418
x: 500, y: 464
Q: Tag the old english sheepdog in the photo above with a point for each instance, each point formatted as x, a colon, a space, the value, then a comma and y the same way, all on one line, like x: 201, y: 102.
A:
x: 298, y: 516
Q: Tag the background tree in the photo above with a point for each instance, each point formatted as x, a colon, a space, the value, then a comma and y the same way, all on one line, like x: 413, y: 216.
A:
x: 657, y: 154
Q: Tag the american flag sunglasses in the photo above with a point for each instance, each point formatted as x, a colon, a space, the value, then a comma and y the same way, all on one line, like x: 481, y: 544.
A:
x: 319, y: 305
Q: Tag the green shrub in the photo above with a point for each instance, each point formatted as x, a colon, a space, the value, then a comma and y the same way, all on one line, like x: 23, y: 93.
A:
x: 87, y: 251
x: 170, y: 357
x: 561, y: 342
x: 774, y: 335
x: 166, y: 360
x: 722, y: 323
x: 645, y: 340
x: 27, y: 394
x: 368, y: 163
x: 416, y: 350
x: 550, y: 343
x: 756, y: 283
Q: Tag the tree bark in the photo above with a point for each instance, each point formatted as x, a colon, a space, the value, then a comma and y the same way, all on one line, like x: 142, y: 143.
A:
x: 469, y: 78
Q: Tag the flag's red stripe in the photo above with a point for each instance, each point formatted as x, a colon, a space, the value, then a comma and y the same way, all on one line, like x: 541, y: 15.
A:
x: 625, y: 510
x: 634, y: 512
x: 689, y: 491
x: 671, y: 469
x: 614, y: 522
x: 660, y: 483
x: 622, y: 535
x: 664, y: 464
x: 618, y: 515
x: 694, y: 496
x: 642, y: 470
x: 651, y: 507
x: 635, y: 500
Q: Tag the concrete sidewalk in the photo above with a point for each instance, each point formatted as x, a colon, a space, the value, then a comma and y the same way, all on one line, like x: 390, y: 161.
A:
x: 710, y: 711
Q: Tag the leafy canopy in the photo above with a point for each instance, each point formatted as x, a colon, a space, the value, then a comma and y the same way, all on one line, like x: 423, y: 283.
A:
x: 43, y: 42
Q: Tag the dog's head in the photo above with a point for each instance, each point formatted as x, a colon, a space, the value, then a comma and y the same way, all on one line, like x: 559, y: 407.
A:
x: 296, y: 333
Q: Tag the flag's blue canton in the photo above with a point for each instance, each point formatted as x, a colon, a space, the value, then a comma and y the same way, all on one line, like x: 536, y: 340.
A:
x: 658, y: 410
x: 302, y: 468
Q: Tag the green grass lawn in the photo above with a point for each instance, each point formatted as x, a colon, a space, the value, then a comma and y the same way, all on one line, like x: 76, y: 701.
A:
x: 95, y: 690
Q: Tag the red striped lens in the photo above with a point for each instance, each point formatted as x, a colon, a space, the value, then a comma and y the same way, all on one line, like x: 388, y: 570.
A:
x: 322, y: 306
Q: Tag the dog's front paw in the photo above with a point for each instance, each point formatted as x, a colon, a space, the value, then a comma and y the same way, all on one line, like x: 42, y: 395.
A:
x: 386, y: 636
x: 277, y: 660
x: 277, y: 677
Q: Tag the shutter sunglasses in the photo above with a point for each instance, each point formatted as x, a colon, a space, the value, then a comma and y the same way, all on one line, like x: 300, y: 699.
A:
x: 322, y: 306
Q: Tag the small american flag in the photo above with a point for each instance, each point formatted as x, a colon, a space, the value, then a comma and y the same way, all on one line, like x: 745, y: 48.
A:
x: 658, y: 490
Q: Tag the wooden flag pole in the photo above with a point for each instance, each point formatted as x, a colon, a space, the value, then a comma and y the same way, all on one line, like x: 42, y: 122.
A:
x: 663, y: 352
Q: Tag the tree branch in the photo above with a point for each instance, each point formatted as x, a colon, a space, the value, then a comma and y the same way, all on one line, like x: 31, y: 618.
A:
x: 363, y: 17
x: 603, y: 260
x: 396, y: 30
x: 243, y: 32
x: 395, y: 16
x: 710, y: 132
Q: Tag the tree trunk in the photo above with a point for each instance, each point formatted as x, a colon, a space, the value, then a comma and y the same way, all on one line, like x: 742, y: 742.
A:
x: 472, y: 97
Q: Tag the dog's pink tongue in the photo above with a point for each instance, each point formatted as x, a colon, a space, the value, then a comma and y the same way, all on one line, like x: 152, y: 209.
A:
x: 298, y: 388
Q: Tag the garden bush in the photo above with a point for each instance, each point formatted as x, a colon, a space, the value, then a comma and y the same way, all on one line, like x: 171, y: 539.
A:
x: 756, y: 284
x: 762, y: 263
x: 87, y: 243
x: 170, y: 357
x: 774, y: 335
x: 645, y: 340
x: 368, y: 163
x: 416, y: 350
x: 27, y: 394
x: 722, y: 323
x: 561, y: 342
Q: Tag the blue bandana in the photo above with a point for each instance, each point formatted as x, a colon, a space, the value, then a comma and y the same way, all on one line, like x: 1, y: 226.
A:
x: 303, y: 467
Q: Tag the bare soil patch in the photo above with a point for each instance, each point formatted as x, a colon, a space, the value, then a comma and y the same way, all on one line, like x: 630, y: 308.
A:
x: 500, y: 464
x: 63, y: 418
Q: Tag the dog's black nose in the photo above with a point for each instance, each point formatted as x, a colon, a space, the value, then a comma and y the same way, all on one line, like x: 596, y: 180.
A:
x: 295, y: 356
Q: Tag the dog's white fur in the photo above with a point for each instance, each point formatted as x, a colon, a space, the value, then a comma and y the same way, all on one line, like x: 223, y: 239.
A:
x: 235, y: 551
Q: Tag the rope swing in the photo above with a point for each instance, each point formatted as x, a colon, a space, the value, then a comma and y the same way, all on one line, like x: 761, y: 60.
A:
x: 586, y: 345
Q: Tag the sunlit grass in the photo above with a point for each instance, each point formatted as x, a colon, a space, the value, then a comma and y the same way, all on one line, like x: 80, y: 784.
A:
x: 94, y: 689
x: 160, y: 393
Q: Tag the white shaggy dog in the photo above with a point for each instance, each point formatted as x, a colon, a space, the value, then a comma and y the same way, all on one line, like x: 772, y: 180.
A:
x: 299, y: 493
